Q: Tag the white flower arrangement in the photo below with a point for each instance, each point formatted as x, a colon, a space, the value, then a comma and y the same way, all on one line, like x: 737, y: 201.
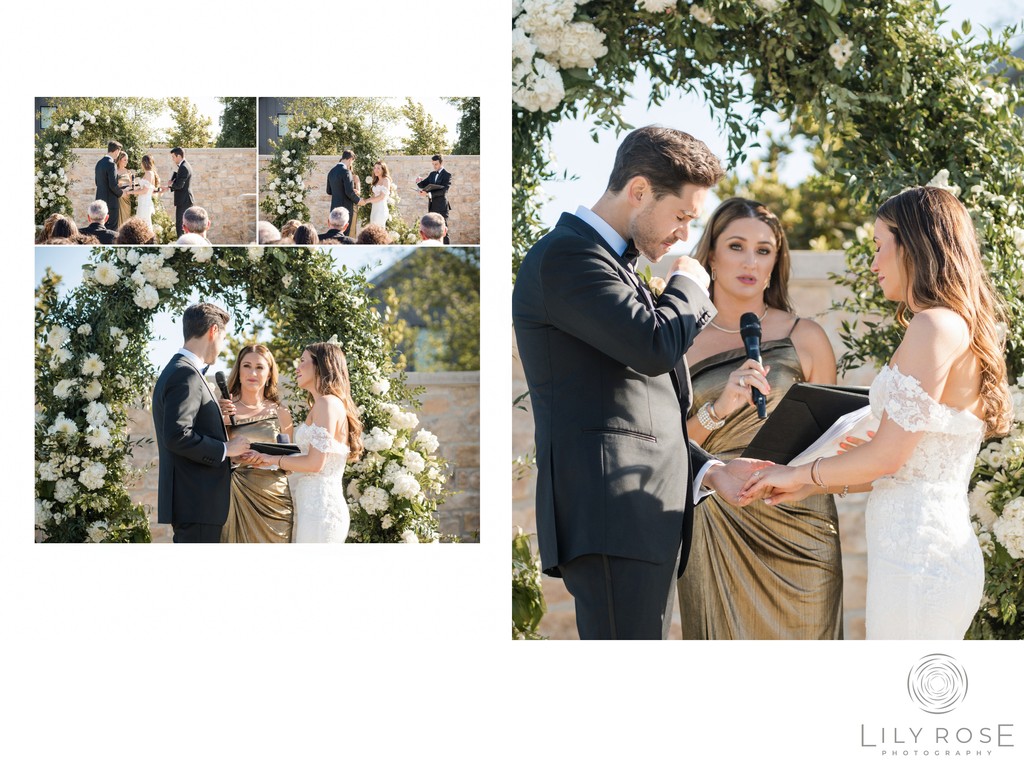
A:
x: 941, y: 181
x: 703, y: 15
x: 841, y: 51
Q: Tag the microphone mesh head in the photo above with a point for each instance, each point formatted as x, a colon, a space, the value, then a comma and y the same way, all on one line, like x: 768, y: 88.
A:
x: 750, y: 325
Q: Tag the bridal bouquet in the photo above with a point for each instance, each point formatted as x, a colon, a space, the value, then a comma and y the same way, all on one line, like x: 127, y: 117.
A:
x: 397, y: 484
x: 997, y: 511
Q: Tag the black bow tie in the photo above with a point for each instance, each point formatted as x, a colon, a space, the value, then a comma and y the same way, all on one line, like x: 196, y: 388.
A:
x: 631, y: 255
x: 205, y: 369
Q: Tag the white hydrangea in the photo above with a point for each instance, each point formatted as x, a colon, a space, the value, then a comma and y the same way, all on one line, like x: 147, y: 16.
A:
x: 147, y: 297
x: 202, y: 254
x: 64, y: 388
x: 97, y: 531
x: 380, y: 386
x: 93, y: 365
x: 85, y: 329
x: 378, y: 440
x: 106, y: 273
x: 538, y: 86
x: 57, y: 337
x: 1009, y: 528
x: 581, y: 44
x: 941, y: 181
x: 841, y: 51
x: 96, y: 413
x: 43, y: 512
x: 91, y: 476
x: 703, y: 15
x: 657, y: 6
x: 546, y: 14
x: 408, y: 536
x: 768, y: 5
x: 64, y: 490
x: 427, y: 440
x: 991, y: 100
x: 49, y: 471
x: 353, y: 492
x: 374, y: 500
x: 523, y: 48
x: 404, y: 421
x: 413, y: 461
x: 386, y: 522
x: 164, y: 277
x: 981, y: 509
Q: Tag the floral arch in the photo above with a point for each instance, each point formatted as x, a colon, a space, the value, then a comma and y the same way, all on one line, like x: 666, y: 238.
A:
x: 91, y: 366
x: 894, y: 104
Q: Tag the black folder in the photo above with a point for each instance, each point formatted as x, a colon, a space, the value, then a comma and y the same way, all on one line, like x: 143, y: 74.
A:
x: 271, y: 448
x: 806, y: 412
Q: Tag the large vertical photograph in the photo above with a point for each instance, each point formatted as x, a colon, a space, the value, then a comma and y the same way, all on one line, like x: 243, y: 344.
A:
x: 769, y: 322
x: 257, y: 394
x: 145, y: 170
x: 369, y: 171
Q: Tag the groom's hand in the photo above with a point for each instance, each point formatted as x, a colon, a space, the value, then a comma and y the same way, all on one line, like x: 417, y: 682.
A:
x: 728, y: 480
x: 237, y: 446
x: 692, y: 268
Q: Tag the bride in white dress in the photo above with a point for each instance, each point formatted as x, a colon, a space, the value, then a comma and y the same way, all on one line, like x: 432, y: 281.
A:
x: 380, y: 187
x: 944, y: 390
x: 330, y: 438
x: 149, y: 182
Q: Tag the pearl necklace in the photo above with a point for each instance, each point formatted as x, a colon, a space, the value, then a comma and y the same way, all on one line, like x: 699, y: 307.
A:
x: 733, y: 332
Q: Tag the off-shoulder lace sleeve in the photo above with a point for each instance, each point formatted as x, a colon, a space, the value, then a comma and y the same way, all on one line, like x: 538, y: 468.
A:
x: 912, y: 409
x: 319, y: 438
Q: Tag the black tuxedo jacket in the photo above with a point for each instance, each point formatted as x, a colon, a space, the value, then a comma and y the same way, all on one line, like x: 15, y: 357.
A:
x: 609, y: 409
x: 438, y: 197
x: 195, y: 479
x: 342, y: 190
x: 102, y: 233
x: 339, y: 235
x: 107, y: 188
x: 180, y: 182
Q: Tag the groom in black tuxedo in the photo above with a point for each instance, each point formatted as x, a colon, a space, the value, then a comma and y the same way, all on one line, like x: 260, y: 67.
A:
x: 437, y: 198
x: 106, y: 183
x: 610, y: 389
x: 193, y: 446
x: 180, y: 182
x: 342, y: 188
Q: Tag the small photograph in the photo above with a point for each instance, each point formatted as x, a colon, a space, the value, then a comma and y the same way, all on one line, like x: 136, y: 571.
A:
x: 257, y: 394
x: 369, y: 171
x: 145, y: 171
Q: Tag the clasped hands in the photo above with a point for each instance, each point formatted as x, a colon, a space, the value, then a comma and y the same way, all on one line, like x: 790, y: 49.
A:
x: 743, y: 480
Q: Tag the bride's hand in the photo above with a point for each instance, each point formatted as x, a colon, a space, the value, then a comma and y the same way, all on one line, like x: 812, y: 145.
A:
x: 773, y: 481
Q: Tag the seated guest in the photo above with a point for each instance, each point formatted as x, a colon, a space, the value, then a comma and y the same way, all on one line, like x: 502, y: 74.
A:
x: 432, y: 229
x: 64, y: 228
x: 196, y: 220
x: 306, y: 235
x: 373, y: 235
x: 135, y: 231
x: 98, y: 215
x: 288, y: 230
x: 337, y: 220
x: 47, y: 231
x: 188, y: 238
x: 85, y: 239
x: 266, y: 233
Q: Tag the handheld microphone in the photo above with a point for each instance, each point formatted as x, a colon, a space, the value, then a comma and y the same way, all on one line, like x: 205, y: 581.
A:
x: 750, y: 331
x: 283, y: 439
x: 222, y: 382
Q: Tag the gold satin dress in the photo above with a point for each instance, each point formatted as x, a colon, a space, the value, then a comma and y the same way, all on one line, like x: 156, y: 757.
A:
x: 124, y: 202
x: 760, y: 571
x: 261, y: 504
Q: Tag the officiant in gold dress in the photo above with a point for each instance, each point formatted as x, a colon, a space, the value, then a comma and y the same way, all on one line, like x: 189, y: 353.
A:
x: 261, y: 505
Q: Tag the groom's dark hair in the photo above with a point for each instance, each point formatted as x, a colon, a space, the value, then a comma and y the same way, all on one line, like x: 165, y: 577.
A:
x: 113, y: 146
x: 667, y: 158
x: 178, y: 151
x: 347, y: 155
x: 437, y: 158
x: 200, y: 317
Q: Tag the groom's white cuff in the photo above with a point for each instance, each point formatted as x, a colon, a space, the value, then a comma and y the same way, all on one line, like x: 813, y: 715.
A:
x: 691, y: 278
x: 699, y: 493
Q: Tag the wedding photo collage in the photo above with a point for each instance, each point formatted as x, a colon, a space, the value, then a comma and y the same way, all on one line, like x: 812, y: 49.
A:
x: 257, y: 319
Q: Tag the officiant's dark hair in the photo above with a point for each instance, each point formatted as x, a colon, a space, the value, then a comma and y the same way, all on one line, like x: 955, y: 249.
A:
x: 332, y: 378
x: 437, y: 158
x: 113, y: 146
x: 270, y: 391
x: 200, y: 317
x: 667, y: 158
x: 178, y: 151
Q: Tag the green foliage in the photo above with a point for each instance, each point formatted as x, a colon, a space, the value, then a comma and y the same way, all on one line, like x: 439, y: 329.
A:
x: 91, y: 352
x: 468, y: 129
x: 441, y: 288
x: 427, y: 135
x: 237, y: 122
x: 528, y: 605
x: 191, y: 129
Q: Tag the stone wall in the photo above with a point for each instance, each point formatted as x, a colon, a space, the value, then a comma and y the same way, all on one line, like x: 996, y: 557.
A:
x: 463, y: 196
x: 451, y: 411
x: 813, y: 293
x: 223, y: 182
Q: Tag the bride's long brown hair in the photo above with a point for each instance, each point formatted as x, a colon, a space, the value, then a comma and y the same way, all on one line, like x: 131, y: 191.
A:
x: 332, y: 378
x: 937, y: 249
x: 148, y: 164
x: 385, y: 173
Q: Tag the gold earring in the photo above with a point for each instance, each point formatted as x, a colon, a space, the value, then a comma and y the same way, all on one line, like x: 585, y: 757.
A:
x: 768, y: 283
x: 713, y: 274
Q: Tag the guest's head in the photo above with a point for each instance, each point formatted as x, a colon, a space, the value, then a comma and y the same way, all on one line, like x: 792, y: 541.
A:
x: 746, y: 252
x: 85, y: 239
x: 927, y: 256
x: 122, y: 160
x: 255, y: 372
x: 266, y: 233
x: 432, y: 226
x: 338, y: 218
x: 47, y: 231
x: 188, y: 238
x: 288, y: 230
x: 64, y: 228
x: 97, y: 212
x: 437, y: 161
x: 177, y: 154
x: 306, y: 235
x: 323, y: 370
x: 135, y: 231
x: 658, y: 185
x: 380, y: 170
x: 373, y: 234
x: 196, y: 220
x: 113, y: 148
x: 204, y: 326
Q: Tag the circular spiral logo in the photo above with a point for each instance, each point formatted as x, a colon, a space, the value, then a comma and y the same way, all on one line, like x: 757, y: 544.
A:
x: 937, y: 683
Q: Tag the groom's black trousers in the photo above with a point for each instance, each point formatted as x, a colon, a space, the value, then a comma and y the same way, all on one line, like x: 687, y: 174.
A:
x: 619, y: 598
x: 197, y: 533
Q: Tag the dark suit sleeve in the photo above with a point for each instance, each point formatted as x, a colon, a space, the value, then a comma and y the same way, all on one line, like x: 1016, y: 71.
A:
x: 349, y: 188
x: 329, y: 181
x: 182, y: 398
x: 180, y: 178
x: 116, y: 190
x: 444, y: 178
x: 587, y: 296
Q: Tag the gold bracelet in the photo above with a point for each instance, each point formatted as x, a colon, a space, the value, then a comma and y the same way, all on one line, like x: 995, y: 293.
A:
x: 280, y: 461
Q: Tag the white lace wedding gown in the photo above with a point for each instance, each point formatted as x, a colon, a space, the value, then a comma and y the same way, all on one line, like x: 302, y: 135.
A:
x: 321, y: 513
x: 144, y: 209
x: 379, y: 210
x: 925, y: 568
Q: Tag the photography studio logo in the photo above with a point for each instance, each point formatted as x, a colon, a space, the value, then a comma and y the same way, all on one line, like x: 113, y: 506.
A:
x: 937, y: 685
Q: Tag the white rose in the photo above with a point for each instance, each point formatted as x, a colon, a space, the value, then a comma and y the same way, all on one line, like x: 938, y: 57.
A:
x: 427, y: 440
x: 163, y: 278
x: 581, y: 45
x: 93, y: 390
x: 537, y: 87
x: 92, y: 475
x: 546, y: 14
x: 147, y: 297
x: 353, y: 492
x: 1009, y: 528
x: 63, y: 389
x: 380, y: 386
x: 408, y: 536
x: 414, y: 461
x: 405, y: 485
x: 57, y: 336
x: 60, y: 356
x: 386, y: 522
x: 378, y: 440
x: 404, y: 421
x: 93, y: 365
x: 941, y: 181
x: 106, y: 273
x: 981, y: 509
x: 374, y: 500
x: 202, y: 254
x: 96, y: 413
